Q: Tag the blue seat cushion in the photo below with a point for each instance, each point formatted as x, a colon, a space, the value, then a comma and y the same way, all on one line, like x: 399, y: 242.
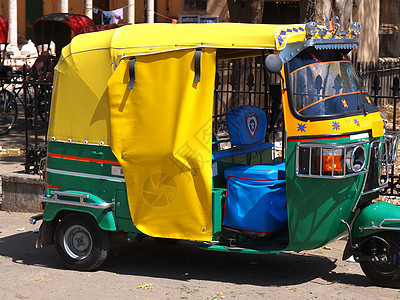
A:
x: 246, y: 125
x: 256, y: 198
x: 241, y: 150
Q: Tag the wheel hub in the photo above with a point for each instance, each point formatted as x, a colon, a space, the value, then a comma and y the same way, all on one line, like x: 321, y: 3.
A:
x: 78, y: 242
x: 81, y: 241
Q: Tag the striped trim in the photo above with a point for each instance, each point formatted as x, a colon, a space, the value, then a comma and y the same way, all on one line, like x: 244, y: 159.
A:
x: 87, y: 175
x: 325, y: 136
x: 49, y: 186
x: 86, y: 159
x: 318, y: 138
x: 255, y: 179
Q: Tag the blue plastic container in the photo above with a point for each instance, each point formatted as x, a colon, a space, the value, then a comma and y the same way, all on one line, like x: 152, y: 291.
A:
x: 256, y: 198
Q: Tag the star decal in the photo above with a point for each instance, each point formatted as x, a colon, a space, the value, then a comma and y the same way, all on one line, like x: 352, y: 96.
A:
x: 345, y: 103
x: 356, y: 122
x: 335, y: 126
x: 368, y: 99
x: 301, y: 127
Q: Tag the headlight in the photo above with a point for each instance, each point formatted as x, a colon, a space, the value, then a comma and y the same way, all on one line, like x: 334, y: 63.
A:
x: 330, y: 160
x: 356, y: 159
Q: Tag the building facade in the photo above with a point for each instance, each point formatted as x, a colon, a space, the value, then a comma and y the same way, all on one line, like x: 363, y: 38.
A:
x: 380, y: 20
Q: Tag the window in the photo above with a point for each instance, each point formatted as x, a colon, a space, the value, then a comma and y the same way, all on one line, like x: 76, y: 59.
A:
x: 190, y: 5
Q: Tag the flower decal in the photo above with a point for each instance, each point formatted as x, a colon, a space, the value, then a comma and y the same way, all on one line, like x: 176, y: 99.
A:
x: 301, y: 127
x: 335, y: 126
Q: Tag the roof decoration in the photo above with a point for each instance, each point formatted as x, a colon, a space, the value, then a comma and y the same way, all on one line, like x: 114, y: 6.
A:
x: 282, y: 34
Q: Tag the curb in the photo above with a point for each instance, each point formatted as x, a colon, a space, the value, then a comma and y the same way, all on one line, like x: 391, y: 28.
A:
x: 21, y: 192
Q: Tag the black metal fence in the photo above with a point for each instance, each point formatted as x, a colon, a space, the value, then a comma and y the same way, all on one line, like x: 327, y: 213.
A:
x: 36, y: 99
x: 381, y: 80
x: 246, y: 82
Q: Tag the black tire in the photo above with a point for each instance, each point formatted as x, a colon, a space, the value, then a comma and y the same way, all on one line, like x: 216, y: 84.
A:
x: 386, y: 271
x: 79, y: 230
x: 8, y: 111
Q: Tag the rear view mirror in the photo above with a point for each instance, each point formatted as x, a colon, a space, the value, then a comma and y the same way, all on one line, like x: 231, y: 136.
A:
x: 273, y: 64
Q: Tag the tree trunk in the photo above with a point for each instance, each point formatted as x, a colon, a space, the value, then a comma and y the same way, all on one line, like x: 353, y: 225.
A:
x: 326, y: 9
x: 343, y: 9
x: 307, y: 10
x: 248, y: 11
x: 255, y: 10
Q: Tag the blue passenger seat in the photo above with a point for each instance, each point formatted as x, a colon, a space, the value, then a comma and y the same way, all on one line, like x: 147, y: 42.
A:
x: 246, y: 126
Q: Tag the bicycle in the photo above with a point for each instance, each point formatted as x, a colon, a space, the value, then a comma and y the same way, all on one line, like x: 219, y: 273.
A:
x: 11, y: 92
x: 8, y: 102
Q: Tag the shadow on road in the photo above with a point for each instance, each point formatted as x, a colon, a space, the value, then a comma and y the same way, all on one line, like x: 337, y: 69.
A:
x: 21, y: 249
x: 184, y: 261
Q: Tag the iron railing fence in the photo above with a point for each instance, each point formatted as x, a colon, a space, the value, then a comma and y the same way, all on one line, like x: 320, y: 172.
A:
x: 246, y: 82
x: 36, y: 98
x: 381, y: 80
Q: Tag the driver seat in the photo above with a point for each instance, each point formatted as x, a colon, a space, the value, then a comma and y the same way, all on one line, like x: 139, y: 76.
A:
x: 247, y: 126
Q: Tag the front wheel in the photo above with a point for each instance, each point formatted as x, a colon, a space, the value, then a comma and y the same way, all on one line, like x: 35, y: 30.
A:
x: 383, y: 267
x: 80, y: 243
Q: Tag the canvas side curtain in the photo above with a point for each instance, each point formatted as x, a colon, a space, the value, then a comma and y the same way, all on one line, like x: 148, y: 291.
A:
x: 162, y: 134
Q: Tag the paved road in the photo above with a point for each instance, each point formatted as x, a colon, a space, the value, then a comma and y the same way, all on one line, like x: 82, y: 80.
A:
x: 153, y: 270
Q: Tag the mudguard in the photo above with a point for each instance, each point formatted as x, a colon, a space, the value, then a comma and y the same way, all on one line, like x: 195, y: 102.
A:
x: 104, y: 217
x: 379, y: 216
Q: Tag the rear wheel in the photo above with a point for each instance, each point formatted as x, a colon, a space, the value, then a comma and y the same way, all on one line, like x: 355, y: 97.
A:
x: 8, y: 111
x: 384, y: 266
x: 80, y: 243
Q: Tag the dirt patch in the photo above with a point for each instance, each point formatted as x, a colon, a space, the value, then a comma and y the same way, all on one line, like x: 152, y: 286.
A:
x: 150, y: 270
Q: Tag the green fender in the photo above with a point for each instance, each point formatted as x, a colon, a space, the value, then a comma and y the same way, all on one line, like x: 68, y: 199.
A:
x: 104, y: 217
x: 370, y: 219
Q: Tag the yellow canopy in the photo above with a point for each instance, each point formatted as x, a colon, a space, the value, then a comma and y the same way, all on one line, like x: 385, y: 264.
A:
x: 80, y: 99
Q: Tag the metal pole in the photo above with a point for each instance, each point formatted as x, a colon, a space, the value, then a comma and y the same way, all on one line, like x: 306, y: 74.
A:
x: 150, y: 11
x: 12, y: 25
x: 131, y: 11
x: 25, y: 90
x: 87, y: 7
x: 63, y: 6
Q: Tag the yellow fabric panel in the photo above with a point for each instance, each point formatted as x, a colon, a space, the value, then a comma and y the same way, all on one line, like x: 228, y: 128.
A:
x: 80, y: 108
x: 161, y: 135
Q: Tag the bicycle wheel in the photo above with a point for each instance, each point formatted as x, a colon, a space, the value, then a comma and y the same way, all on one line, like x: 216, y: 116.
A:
x: 8, y: 111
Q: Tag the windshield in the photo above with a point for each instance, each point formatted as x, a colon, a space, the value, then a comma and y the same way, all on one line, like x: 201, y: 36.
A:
x: 324, y: 83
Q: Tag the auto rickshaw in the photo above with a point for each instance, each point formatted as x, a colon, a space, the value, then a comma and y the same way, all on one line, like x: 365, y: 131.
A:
x: 133, y: 150
x: 58, y: 28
